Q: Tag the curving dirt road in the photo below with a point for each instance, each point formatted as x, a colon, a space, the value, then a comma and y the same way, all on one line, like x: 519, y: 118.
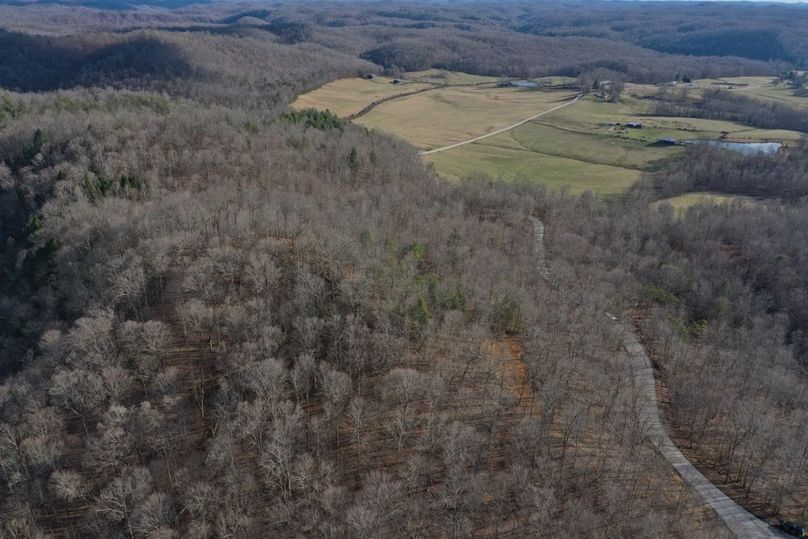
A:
x: 502, y: 130
x: 738, y: 520
x: 434, y: 87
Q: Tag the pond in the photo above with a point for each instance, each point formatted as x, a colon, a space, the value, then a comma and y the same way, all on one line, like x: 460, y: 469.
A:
x: 746, y: 148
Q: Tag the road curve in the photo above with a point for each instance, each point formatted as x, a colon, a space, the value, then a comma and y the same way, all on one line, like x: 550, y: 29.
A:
x: 502, y: 130
x: 738, y: 520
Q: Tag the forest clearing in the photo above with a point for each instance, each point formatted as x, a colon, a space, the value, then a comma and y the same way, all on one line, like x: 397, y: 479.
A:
x: 583, y: 147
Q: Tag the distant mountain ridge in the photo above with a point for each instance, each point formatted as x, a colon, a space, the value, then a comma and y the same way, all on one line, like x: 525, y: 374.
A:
x: 115, y: 5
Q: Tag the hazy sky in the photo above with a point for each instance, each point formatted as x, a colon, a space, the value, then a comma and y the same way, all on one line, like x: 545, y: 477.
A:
x: 755, y: 1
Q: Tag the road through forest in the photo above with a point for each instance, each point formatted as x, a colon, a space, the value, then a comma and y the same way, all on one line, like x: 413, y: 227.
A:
x: 738, y: 520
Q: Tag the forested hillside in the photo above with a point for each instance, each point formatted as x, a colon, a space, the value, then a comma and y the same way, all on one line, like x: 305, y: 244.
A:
x: 243, y: 71
x: 212, y: 329
x: 514, y: 40
x: 223, y: 318
x: 776, y: 33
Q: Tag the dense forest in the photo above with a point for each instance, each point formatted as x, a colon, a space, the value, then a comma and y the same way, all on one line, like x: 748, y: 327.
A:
x: 43, y: 49
x: 232, y: 339
x: 720, y: 299
x: 221, y: 318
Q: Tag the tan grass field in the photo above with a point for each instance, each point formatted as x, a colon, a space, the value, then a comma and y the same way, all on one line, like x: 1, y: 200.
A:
x: 441, y: 77
x: 764, y: 88
x: 501, y: 159
x: 449, y: 115
x: 733, y: 83
x: 348, y: 96
x: 681, y: 203
x: 579, y: 147
x: 547, y: 135
x: 590, y: 116
x: 780, y: 93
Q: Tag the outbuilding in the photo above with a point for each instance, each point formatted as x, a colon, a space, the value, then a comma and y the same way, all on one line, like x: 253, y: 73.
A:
x: 667, y: 142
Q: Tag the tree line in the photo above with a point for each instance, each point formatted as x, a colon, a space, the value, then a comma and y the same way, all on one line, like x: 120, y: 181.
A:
x: 781, y: 177
x: 730, y: 106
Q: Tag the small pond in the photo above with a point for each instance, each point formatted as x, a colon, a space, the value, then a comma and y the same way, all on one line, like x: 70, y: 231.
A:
x: 745, y: 148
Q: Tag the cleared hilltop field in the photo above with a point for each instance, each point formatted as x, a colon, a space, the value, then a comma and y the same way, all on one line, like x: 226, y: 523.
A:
x: 507, y: 163
x: 346, y: 97
x: 449, y: 115
x: 585, y: 146
x: 763, y: 88
x: 441, y: 77
x: 776, y: 91
x: 681, y: 203
x: 349, y: 96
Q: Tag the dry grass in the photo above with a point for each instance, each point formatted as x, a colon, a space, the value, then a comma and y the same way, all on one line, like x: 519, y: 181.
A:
x: 590, y: 116
x: 508, y: 163
x: 682, y: 202
x: 439, y: 76
x: 763, y: 88
x: 348, y: 96
x: 449, y: 115
x: 577, y: 148
x: 780, y: 93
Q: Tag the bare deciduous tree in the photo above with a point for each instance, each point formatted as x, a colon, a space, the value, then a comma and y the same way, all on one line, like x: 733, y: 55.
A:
x: 68, y: 485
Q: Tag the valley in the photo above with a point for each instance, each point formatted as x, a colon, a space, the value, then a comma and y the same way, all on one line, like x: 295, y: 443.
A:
x: 388, y: 270
x: 586, y: 146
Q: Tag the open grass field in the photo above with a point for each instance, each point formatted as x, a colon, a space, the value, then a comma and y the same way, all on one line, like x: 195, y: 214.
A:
x: 591, y: 116
x: 348, y: 96
x: 732, y: 83
x: 589, y: 147
x: 441, y: 77
x: 554, y: 153
x: 764, y: 88
x: 781, y: 93
x: 509, y: 163
x: 681, y: 203
x: 454, y: 114
x: 581, y: 147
